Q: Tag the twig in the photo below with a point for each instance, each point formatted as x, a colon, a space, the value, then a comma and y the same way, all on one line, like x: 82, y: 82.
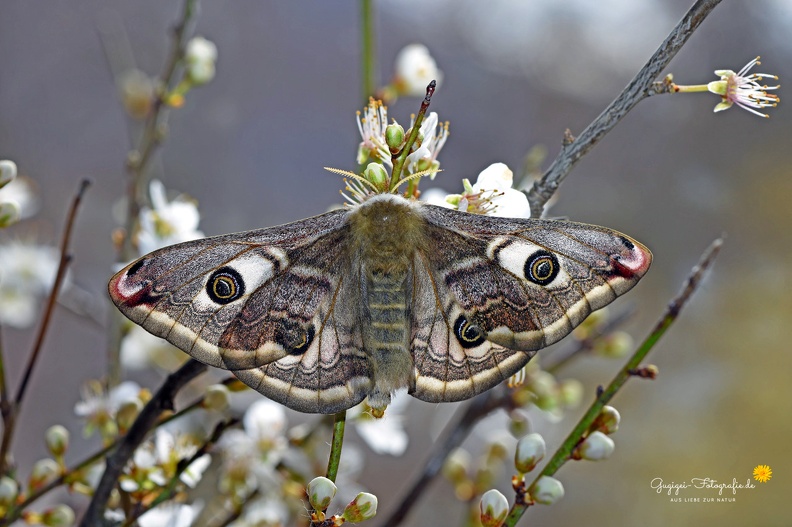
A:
x: 453, y: 436
x: 398, y: 162
x: 368, y: 55
x: 638, y: 89
x: 65, y: 258
x: 183, y: 464
x: 564, y: 452
x: 339, y: 424
x: 162, y: 400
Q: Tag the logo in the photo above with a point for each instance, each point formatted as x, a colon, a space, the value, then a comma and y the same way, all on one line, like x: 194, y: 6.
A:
x: 710, y: 490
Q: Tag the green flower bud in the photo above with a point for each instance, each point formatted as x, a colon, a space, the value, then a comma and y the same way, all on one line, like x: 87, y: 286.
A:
x: 320, y: 492
x: 607, y: 421
x: 57, y: 438
x: 615, y: 345
x: 8, y: 171
x: 545, y: 387
x: 127, y: 413
x: 518, y: 424
x: 363, y: 154
x: 363, y: 507
x: 596, y: 447
x: 394, y: 137
x: 9, y: 489
x: 494, y: 508
x: 216, y: 398
x: 377, y: 174
x: 200, y: 56
x: 58, y: 516
x: 9, y: 213
x: 547, y: 490
x: 571, y: 392
x: 44, y: 471
x: 530, y: 451
x: 457, y: 465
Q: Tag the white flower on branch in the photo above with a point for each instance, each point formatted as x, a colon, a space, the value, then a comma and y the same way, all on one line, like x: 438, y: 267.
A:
x: 415, y: 69
x: 200, y: 56
x: 167, y: 222
x: 744, y: 90
x: 385, y: 435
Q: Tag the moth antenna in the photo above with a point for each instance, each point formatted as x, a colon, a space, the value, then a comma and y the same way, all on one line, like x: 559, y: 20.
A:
x: 417, y: 175
x: 353, y: 176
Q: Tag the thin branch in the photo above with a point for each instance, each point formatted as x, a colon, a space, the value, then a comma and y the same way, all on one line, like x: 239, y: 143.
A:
x: 161, y: 401
x: 339, y: 422
x: 65, y: 258
x: 638, y: 89
x: 401, y: 159
x: 170, y: 487
x: 630, y: 369
x: 367, y: 59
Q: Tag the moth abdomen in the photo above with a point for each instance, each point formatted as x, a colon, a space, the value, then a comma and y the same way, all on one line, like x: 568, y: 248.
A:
x: 386, y: 336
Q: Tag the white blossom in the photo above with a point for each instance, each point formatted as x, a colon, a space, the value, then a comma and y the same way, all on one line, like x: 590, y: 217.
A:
x: 167, y: 222
x: 434, y: 135
x: 415, y: 69
x: 385, y: 435
x: 27, y: 273
x: 744, y: 90
x: 508, y: 202
x: 200, y: 56
x: 171, y: 514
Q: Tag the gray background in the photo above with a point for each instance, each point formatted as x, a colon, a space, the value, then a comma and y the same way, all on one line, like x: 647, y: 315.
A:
x: 250, y: 147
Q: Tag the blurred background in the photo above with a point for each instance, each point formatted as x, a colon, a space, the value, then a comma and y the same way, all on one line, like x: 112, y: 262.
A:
x: 250, y: 147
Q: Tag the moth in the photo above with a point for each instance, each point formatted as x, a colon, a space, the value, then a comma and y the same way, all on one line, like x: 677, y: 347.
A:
x: 389, y: 293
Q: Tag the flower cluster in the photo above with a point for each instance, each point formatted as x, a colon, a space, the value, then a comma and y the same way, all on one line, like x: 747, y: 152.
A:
x: 382, y: 144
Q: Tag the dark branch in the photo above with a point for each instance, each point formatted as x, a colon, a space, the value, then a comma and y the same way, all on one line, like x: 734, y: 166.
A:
x: 161, y: 401
x: 638, y: 89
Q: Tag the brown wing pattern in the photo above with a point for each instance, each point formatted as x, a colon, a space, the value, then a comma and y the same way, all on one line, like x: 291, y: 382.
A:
x: 492, y: 291
x: 262, y: 304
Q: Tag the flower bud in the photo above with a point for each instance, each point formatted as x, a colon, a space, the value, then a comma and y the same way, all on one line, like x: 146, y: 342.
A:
x: 494, y: 508
x: 547, y: 490
x: 200, y: 56
x: 530, y: 451
x: 415, y: 68
x: 615, y: 345
x: 377, y: 174
x: 363, y: 507
x: 457, y: 465
x: 8, y: 491
x: 571, y: 392
x: 44, y: 471
x: 57, y: 438
x: 216, y: 398
x: 137, y: 92
x: 320, y: 492
x: 394, y: 137
x: 9, y: 213
x: 8, y: 171
x: 607, y: 421
x: 596, y: 447
x: 127, y: 413
x: 58, y: 516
